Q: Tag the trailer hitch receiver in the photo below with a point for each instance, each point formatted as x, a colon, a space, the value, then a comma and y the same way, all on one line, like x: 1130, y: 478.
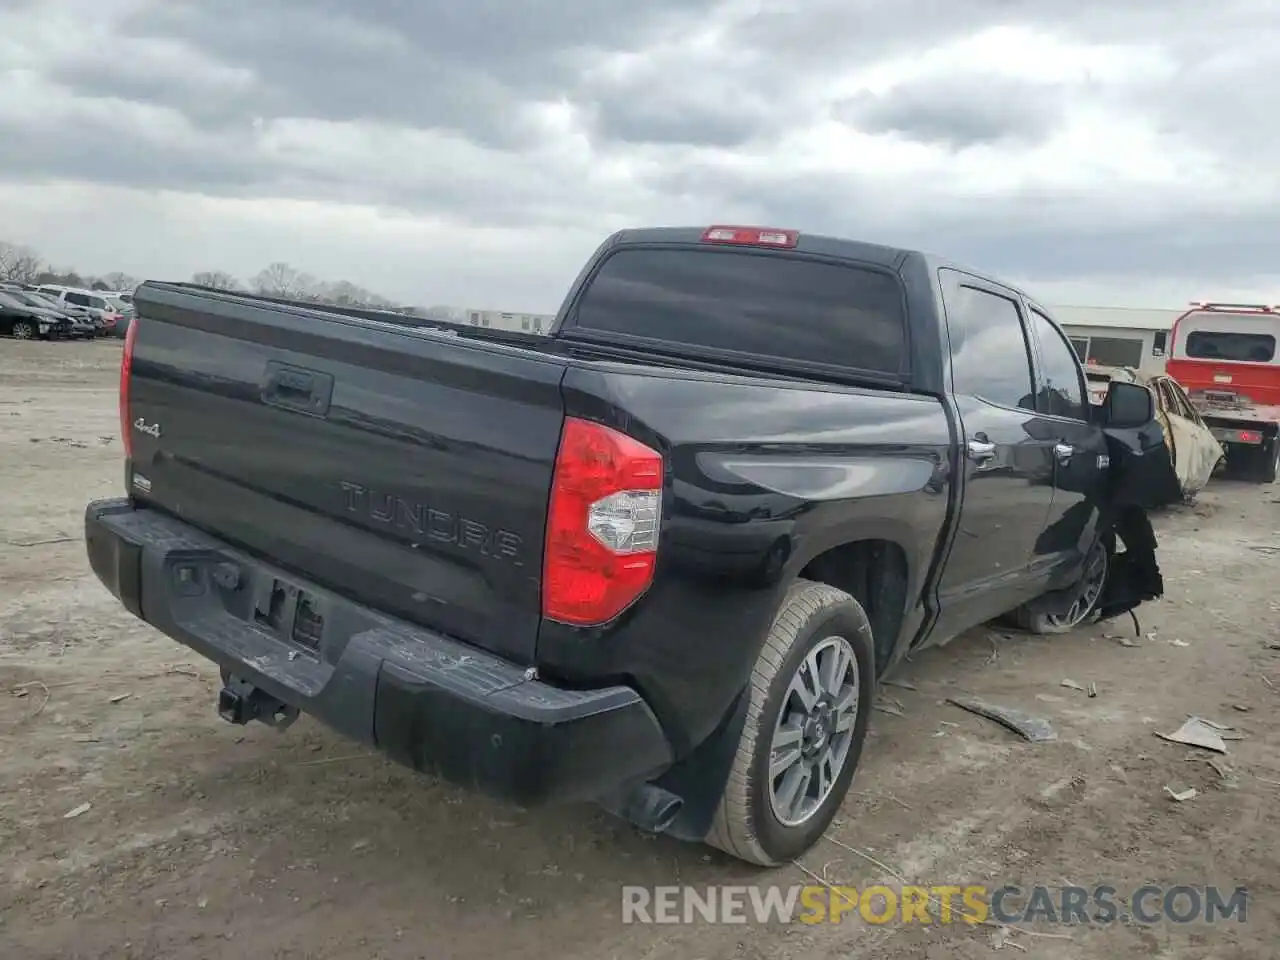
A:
x: 240, y: 701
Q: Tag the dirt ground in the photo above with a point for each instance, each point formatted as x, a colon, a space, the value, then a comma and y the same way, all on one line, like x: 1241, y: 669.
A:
x: 203, y: 840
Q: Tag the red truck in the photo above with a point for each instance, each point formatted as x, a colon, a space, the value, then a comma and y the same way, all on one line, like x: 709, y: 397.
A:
x: 1224, y: 355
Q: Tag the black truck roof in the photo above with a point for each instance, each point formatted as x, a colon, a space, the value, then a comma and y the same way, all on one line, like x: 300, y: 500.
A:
x: 822, y: 245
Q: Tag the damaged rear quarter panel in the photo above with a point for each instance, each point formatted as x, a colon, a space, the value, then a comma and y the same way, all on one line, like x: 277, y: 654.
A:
x: 1140, y: 478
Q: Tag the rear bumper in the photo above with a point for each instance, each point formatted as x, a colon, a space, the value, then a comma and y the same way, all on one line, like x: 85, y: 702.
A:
x: 430, y: 702
x: 1247, y: 435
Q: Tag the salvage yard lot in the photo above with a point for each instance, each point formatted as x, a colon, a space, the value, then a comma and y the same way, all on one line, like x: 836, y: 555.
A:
x: 204, y: 840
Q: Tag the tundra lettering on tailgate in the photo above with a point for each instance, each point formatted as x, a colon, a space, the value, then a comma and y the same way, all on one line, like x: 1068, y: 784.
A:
x: 439, y: 526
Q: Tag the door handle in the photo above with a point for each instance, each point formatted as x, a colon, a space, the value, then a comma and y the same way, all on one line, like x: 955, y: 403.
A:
x: 981, y: 450
x: 289, y: 382
x: 1063, y: 451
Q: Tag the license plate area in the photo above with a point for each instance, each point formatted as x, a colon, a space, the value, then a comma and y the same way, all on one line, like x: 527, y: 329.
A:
x: 290, y: 613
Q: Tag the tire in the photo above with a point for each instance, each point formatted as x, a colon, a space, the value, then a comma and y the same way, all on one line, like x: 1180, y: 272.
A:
x: 1267, y: 466
x: 1092, y: 581
x: 814, y: 621
x: 24, y: 330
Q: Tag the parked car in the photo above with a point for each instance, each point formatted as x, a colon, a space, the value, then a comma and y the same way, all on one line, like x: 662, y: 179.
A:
x: 106, y: 306
x: 656, y: 559
x: 83, y: 326
x: 1193, y: 449
x: 25, y: 322
x: 75, y: 311
x: 123, y: 299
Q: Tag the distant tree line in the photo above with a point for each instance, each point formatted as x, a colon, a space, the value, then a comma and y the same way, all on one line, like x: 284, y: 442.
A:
x: 21, y: 264
x: 279, y: 279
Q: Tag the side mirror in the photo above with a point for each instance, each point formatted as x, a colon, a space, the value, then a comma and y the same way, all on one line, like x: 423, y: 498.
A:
x: 1128, y: 405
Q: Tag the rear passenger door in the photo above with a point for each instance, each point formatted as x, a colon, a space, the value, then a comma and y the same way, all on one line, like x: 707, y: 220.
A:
x: 1196, y: 451
x: 1079, y: 449
x: 1006, y: 459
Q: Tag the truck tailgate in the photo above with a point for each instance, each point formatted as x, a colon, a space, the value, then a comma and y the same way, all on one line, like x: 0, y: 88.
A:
x: 406, y: 469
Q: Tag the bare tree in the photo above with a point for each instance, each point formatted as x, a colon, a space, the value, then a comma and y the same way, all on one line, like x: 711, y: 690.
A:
x: 343, y: 292
x: 120, y: 282
x: 19, y: 264
x: 218, y: 279
x: 66, y: 278
x: 346, y: 293
x: 281, y: 280
x: 309, y: 288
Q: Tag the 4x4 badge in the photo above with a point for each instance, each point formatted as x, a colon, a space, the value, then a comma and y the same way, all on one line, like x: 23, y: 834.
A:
x: 150, y: 429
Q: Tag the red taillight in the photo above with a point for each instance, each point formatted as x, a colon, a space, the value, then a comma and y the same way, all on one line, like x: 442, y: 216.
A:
x: 752, y: 236
x: 126, y: 366
x: 1249, y: 436
x: 602, y: 524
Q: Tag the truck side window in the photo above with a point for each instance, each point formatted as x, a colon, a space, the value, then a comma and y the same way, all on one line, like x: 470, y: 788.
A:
x: 989, y: 355
x: 1060, y: 392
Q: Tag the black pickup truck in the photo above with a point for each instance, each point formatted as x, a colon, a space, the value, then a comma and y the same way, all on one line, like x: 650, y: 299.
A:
x: 657, y: 560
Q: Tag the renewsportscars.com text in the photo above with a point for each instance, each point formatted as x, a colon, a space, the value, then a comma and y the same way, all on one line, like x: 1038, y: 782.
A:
x: 940, y: 904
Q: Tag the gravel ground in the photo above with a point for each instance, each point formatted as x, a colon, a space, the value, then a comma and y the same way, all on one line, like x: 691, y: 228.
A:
x: 203, y: 840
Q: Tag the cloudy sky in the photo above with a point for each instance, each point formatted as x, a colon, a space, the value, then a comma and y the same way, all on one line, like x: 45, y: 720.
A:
x: 442, y: 151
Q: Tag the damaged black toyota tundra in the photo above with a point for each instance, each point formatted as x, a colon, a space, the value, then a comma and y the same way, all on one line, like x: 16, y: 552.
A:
x: 657, y: 560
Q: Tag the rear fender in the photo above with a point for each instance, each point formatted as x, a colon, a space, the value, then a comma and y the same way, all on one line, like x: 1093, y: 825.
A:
x: 1140, y: 477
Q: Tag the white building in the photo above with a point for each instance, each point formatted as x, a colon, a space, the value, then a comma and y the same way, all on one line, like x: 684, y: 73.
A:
x: 1119, y: 336
x: 493, y: 319
x: 500, y: 320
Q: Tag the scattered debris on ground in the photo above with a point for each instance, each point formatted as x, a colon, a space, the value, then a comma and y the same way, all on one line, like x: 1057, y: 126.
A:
x: 1197, y: 733
x: 1026, y: 725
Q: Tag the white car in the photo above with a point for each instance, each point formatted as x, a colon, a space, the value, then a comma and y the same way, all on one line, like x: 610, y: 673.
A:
x: 106, y: 305
x: 1195, y: 451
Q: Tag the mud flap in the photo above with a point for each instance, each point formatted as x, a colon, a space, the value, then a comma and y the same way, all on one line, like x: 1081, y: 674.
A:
x: 1140, y: 478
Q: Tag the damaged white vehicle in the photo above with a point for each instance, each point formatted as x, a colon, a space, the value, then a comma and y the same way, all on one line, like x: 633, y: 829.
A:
x: 1193, y: 449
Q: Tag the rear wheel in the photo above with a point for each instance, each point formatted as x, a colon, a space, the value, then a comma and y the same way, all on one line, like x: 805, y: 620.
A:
x: 1268, y: 463
x: 810, y: 700
x: 1254, y: 464
x: 1088, y: 592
